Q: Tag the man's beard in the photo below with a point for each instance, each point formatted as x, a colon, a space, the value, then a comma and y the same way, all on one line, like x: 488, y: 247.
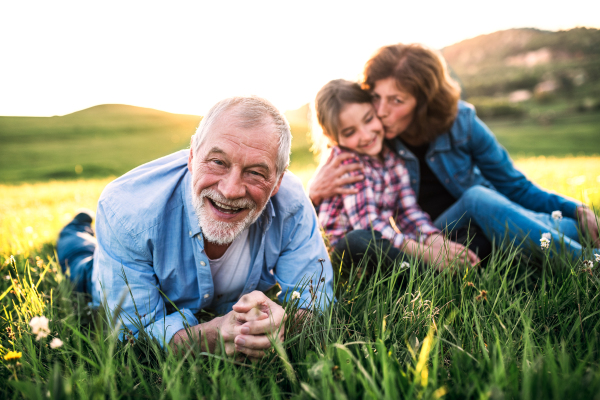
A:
x: 220, y: 232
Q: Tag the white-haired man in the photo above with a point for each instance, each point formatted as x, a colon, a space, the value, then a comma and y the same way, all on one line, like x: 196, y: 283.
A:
x: 206, y: 229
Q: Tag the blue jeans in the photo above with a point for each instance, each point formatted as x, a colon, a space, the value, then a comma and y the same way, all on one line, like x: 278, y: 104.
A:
x: 499, y: 218
x: 75, y: 249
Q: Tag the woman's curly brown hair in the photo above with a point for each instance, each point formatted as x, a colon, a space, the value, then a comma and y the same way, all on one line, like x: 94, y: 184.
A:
x: 422, y: 72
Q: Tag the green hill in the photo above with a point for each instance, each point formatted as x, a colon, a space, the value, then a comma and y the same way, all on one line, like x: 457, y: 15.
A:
x: 99, y: 141
x: 504, y: 61
x: 104, y: 140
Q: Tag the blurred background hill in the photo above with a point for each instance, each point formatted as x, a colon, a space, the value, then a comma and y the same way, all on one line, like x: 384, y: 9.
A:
x: 538, y: 91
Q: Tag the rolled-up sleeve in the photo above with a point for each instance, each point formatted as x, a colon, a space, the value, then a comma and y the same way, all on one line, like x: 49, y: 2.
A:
x: 126, y: 285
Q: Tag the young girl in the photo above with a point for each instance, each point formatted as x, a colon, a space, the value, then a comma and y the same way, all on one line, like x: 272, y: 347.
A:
x: 385, y: 202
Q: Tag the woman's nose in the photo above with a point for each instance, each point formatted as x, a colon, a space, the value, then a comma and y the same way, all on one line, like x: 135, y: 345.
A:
x: 381, y: 108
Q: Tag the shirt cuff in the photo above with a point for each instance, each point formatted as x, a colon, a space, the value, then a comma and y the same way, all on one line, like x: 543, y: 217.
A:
x: 163, y: 330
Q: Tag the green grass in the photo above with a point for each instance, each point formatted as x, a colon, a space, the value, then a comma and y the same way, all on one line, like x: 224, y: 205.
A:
x: 400, y: 334
x: 562, y: 135
x: 110, y: 140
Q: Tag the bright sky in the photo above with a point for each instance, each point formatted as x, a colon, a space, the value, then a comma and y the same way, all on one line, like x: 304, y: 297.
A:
x: 58, y: 57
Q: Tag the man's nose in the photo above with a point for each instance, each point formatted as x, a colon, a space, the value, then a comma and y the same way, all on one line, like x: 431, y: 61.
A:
x: 231, y: 186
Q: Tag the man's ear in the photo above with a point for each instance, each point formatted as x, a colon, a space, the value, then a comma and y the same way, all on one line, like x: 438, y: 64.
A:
x: 278, y: 184
x: 191, y: 160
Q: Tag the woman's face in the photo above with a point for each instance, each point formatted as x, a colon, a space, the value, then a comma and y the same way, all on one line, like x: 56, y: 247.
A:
x: 360, y: 130
x: 395, y: 107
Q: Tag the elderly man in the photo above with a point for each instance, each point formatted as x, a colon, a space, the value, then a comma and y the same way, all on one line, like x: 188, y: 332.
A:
x: 206, y: 229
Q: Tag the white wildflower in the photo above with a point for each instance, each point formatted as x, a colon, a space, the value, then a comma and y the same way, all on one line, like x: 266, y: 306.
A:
x: 547, y: 235
x: 39, y: 327
x: 597, y: 257
x: 556, y: 215
x: 7, y: 277
x: 588, y: 263
x: 56, y: 343
x: 404, y: 265
x: 295, y: 295
x: 544, y: 243
x: 278, y: 293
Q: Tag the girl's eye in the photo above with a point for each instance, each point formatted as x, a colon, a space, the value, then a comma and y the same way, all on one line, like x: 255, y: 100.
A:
x: 398, y: 101
x: 369, y: 119
x: 348, y: 133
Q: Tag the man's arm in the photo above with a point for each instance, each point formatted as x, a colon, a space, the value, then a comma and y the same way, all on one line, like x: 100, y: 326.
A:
x: 125, y: 268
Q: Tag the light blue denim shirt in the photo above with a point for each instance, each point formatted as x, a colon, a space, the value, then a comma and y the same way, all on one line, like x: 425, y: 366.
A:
x: 148, y: 235
x: 469, y: 154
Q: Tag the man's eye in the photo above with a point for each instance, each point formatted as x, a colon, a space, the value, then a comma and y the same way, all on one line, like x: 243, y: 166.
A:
x: 218, y: 162
x: 255, y: 173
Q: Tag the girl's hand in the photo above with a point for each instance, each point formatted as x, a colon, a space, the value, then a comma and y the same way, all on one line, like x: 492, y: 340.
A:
x: 329, y: 180
x: 438, y: 250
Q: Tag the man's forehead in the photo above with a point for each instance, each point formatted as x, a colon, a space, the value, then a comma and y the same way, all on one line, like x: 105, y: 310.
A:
x: 233, y: 121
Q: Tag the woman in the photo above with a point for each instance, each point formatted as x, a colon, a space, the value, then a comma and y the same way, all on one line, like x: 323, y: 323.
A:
x: 458, y: 169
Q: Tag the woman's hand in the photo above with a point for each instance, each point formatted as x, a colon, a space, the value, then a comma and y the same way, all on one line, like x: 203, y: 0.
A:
x: 329, y: 180
x: 438, y: 250
x: 589, y: 223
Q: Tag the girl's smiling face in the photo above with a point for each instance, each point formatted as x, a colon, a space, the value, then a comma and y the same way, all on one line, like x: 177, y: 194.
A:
x: 360, y: 130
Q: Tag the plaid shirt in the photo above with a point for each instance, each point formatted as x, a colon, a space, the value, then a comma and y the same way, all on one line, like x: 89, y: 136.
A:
x: 385, y: 192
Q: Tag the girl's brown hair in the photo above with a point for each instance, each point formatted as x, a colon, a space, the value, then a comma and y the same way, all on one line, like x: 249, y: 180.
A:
x: 330, y: 101
x: 422, y: 72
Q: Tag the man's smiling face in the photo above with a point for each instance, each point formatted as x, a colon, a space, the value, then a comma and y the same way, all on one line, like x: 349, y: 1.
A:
x: 233, y: 176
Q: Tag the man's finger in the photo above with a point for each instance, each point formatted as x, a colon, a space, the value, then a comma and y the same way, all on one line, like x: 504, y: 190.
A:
x: 252, y: 353
x: 262, y: 327
x: 254, y: 314
x: 255, y: 299
x: 256, y: 342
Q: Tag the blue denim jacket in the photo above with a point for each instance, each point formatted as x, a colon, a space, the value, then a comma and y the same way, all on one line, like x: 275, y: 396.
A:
x: 469, y: 154
x: 148, y: 234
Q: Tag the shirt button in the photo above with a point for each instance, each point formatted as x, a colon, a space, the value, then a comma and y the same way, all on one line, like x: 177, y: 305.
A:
x: 401, y: 152
x: 203, y: 263
x: 190, y: 233
x: 206, y: 296
x: 431, y: 159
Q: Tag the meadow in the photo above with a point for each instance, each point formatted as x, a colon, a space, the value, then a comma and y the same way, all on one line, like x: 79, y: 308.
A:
x: 523, y: 327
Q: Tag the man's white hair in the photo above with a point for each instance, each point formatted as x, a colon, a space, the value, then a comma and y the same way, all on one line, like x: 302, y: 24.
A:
x: 249, y: 112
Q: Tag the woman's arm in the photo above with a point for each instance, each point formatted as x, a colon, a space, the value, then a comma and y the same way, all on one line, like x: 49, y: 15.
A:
x: 496, y: 166
x: 332, y: 178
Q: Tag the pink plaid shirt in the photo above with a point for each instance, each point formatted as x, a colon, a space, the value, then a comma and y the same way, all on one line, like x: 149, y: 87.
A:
x: 385, y: 192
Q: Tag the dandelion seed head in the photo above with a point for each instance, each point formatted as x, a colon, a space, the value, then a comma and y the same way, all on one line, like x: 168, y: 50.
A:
x: 544, y: 243
x: 56, y: 343
x: 556, y: 215
x: 39, y: 327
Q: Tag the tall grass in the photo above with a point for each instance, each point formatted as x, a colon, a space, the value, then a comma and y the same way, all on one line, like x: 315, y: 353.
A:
x: 519, y: 328
x: 516, y: 329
